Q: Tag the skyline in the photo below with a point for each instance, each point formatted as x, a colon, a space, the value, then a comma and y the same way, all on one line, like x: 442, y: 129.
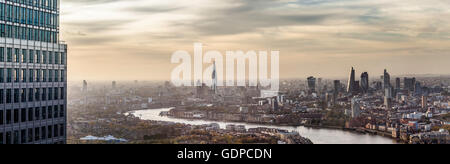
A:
x: 323, y: 38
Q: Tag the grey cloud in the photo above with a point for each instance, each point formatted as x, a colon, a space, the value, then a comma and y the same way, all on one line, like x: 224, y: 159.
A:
x: 97, y: 26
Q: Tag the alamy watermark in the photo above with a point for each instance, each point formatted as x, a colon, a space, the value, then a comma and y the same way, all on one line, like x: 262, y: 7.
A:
x: 189, y: 73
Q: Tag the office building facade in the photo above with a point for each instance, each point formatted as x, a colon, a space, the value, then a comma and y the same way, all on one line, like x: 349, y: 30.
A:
x: 33, y: 79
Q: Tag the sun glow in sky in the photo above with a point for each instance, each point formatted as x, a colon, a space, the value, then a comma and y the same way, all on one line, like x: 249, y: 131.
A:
x: 134, y: 39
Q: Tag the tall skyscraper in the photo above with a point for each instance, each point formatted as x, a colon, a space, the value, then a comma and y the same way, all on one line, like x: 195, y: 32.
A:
x: 409, y: 83
x: 397, y: 83
x: 351, y: 82
x: 319, y: 84
x: 337, y: 88
x: 214, y: 79
x: 33, y: 92
x: 365, y: 82
x: 85, y: 86
x: 388, y: 98
x: 386, y: 80
x: 311, y: 84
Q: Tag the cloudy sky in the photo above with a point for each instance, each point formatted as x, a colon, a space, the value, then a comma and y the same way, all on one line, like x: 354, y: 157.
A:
x: 134, y: 39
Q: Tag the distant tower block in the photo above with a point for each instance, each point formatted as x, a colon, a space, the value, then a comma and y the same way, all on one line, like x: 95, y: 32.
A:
x: 351, y: 82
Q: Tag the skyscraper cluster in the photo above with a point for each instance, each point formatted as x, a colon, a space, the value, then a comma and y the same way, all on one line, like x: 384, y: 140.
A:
x: 355, y: 86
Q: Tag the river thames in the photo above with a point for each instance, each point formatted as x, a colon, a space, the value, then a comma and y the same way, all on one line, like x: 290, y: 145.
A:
x: 316, y: 135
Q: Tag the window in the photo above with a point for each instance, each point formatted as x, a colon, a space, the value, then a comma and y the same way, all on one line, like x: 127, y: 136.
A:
x: 16, y: 75
x: 30, y: 114
x: 23, y: 135
x: 44, y: 112
x: 50, y: 57
x: 37, y: 113
x: 50, y: 93
x: 24, y: 76
x: 8, y: 96
x: 23, y: 114
x: 2, y: 53
x: 9, y: 75
x: 45, y: 75
x: 2, y: 117
x: 30, y: 75
x: 50, y: 131
x: 9, y: 54
x: 57, y: 58
x: 1, y: 138
x: 24, y: 56
x: 2, y: 96
x: 63, y: 57
x: 61, y: 111
x: 2, y: 75
x: 61, y: 130
x: 16, y: 95
x: 56, y: 75
x: 43, y: 133
x: 55, y: 111
x: 31, y: 58
x: 30, y: 135
x: 8, y: 138
x: 37, y: 95
x: 23, y: 95
x: 44, y: 94
x: 50, y: 112
x: 16, y: 137
x: 62, y: 76
x: 16, y: 115
x: 56, y: 94
x: 8, y: 116
x: 36, y: 134
x: 44, y: 57
x: 55, y: 130
x: 50, y: 75
x: 38, y: 57
x: 62, y: 96
x: 42, y: 75
x: 38, y: 75
x: 17, y: 55
x: 30, y: 95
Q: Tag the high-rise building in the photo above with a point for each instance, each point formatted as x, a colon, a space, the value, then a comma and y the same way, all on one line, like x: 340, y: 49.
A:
x: 356, y: 109
x: 386, y: 80
x: 337, y: 89
x: 214, y: 79
x: 418, y: 88
x: 365, y: 82
x: 424, y: 102
x: 397, y: 83
x: 33, y: 92
x: 85, y: 86
x: 409, y: 83
x: 337, y: 86
x: 388, y: 98
x: 114, y: 85
x: 319, y: 84
x: 356, y: 87
x: 351, y: 82
x: 311, y: 84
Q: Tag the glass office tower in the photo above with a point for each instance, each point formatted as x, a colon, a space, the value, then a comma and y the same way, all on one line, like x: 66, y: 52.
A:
x: 33, y: 64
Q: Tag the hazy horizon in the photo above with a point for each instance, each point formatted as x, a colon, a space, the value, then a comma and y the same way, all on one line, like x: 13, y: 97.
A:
x: 128, y: 40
